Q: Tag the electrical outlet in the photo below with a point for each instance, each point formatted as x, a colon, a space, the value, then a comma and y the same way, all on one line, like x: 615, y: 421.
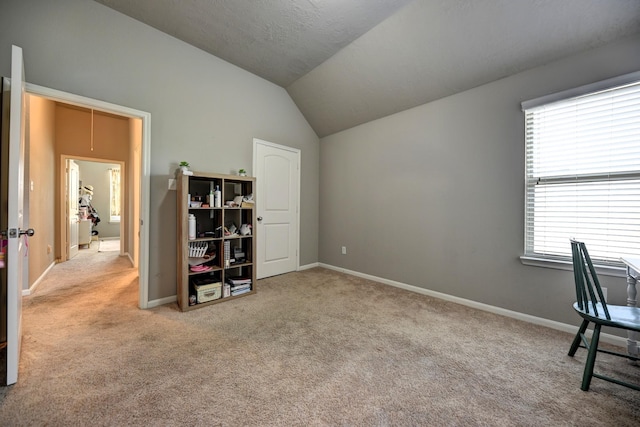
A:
x: 172, y: 184
x: 344, y: 250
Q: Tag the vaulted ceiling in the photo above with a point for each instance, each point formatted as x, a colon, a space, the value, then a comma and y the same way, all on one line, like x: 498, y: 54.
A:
x: 347, y: 62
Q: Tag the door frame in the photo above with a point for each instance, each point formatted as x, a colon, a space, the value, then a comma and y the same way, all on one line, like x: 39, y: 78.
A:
x: 297, y: 152
x: 145, y: 170
x: 123, y: 194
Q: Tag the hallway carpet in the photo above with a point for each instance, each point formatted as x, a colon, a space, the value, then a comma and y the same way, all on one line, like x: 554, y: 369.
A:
x: 109, y: 245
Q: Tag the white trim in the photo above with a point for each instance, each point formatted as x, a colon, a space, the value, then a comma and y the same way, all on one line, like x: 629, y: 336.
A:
x: 32, y: 288
x: 145, y: 170
x: 581, y: 90
x: 298, y: 152
x: 309, y: 266
x: 605, y: 270
x: 572, y: 329
x: 273, y: 145
x: 162, y: 301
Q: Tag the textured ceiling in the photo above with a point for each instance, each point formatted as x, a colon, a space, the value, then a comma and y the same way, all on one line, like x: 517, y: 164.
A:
x: 347, y: 62
x: 279, y: 40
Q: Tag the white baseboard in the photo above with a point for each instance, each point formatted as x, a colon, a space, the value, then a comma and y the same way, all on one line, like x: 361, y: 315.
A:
x: 162, y: 301
x: 32, y: 288
x: 572, y: 329
x: 308, y: 266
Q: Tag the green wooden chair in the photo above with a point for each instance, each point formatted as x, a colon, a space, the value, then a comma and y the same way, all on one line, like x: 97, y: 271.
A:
x: 591, y: 306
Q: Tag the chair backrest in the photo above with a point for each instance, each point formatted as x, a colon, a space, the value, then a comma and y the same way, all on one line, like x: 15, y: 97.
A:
x: 588, y: 291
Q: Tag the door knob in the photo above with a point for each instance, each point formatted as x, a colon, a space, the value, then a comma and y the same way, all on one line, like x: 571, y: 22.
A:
x: 259, y: 218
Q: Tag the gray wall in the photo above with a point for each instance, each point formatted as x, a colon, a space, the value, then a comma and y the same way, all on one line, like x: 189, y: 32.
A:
x: 433, y: 196
x: 203, y: 109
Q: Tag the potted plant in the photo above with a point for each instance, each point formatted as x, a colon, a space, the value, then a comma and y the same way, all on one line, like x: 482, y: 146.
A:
x: 242, y: 172
x: 184, y: 167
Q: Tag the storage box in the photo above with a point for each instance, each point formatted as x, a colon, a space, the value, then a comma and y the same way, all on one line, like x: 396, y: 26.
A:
x: 208, y: 292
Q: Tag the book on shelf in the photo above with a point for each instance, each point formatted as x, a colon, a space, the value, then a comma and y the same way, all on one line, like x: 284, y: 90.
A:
x: 238, y: 287
x: 239, y: 280
x: 240, y: 291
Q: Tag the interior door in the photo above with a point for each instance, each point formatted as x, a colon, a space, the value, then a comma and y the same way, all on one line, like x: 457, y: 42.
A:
x: 277, y: 194
x: 73, y: 186
x: 12, y: 198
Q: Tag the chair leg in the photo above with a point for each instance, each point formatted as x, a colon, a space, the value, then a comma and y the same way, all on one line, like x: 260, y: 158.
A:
x: 578, y: 338
x: 591, y: 358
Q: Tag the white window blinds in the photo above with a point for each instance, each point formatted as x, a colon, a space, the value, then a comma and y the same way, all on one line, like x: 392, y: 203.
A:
x: 583, y: 175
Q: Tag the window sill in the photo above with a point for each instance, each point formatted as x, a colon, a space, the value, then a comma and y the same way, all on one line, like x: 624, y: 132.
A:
x: 605, y: 270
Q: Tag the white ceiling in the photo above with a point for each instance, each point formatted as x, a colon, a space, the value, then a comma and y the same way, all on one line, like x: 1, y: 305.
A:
x: 347, y: 62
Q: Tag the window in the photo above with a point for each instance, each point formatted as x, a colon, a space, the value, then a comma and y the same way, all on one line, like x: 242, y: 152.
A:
x: 583, y: 171
x: 114, y: 195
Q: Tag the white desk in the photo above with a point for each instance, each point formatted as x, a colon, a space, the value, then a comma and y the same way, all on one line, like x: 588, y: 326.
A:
x: 633, y: 275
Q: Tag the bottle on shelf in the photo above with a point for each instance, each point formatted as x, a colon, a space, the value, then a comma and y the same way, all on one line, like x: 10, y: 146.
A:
x: 217, y: 196
x: 192, y: 226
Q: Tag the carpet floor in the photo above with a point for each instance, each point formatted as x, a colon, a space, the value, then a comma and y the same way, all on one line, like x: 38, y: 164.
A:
x: 316, y: 347
x: 109, y: 245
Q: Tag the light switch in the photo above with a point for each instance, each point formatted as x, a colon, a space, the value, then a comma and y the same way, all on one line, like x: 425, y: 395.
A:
x: 172, y: 184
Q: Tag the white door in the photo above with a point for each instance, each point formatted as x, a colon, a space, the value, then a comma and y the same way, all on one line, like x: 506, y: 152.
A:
x: 277, y: 174
x: 73, y: 178
x: 15, y: 182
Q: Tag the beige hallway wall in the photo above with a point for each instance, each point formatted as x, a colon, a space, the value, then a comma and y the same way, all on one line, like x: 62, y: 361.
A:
x: 41, y: 172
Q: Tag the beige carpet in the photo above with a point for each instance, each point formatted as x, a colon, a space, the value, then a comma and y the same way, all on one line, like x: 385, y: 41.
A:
x: 310, y: 348
x: 109, y: 245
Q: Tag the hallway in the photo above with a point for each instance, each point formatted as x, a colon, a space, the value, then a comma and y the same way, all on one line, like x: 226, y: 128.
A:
x: 97, y: 271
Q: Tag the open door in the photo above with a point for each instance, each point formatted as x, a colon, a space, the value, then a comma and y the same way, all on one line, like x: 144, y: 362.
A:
x: 11, y: 193
x: 73, y: 184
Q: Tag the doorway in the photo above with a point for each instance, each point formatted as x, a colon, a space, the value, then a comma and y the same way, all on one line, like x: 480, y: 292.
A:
x: 134, y: 237
x: 97, y: 205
